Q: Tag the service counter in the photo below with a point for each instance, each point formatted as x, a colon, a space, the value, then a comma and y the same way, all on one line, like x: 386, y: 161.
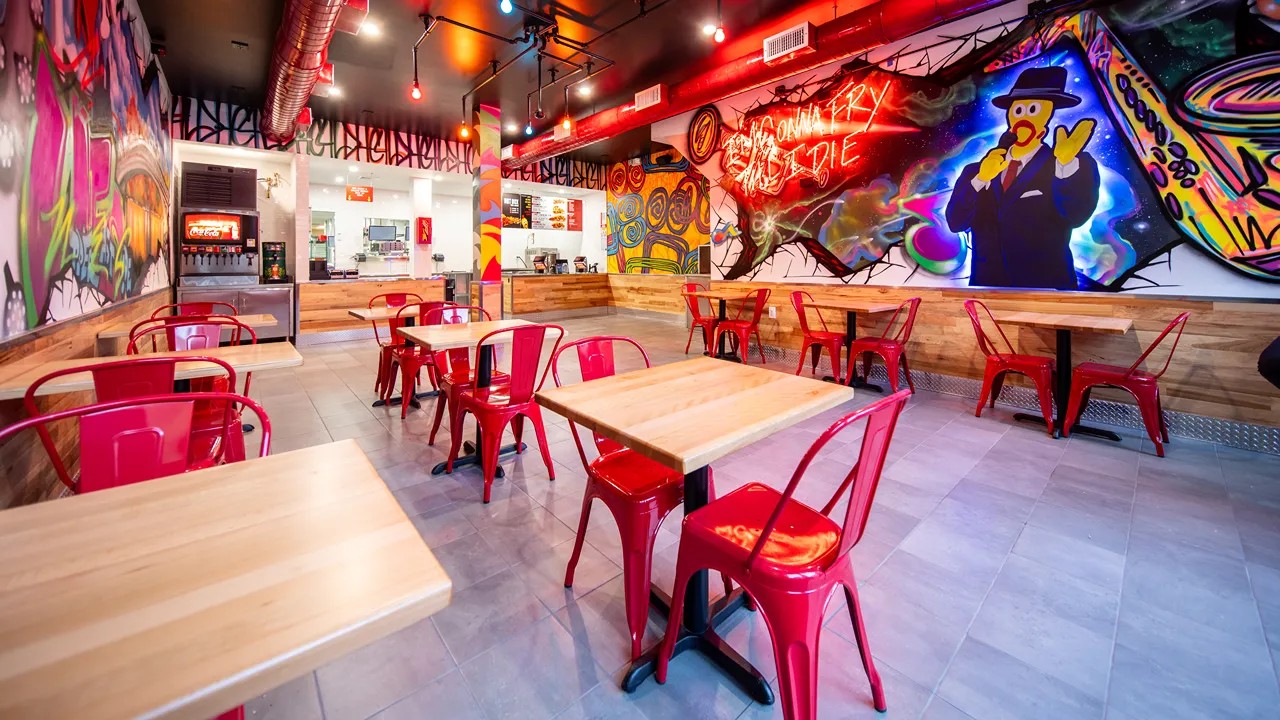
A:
x: 583, y: 294
x: 323, y: 304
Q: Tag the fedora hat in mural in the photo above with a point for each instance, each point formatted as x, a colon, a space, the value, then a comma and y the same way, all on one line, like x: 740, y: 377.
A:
x: 1047, y: 83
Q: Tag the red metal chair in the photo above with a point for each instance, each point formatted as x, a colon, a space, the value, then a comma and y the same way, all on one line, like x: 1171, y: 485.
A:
x: 453, y: 370
x: 743, y: 329
x: 508, y: 401
x: 140, y: 377
x: 195, y: 308
x: 638, y: 491
x: 202, y: 333
x: 132, y: 439
x: 393, y: 341
x: 890, y: 349
x: 817, y: 339
x: 706, y: 322
x: 791, y: 558
x: 1039, y: 369
x: 411, y: 359
x: 1142, y: 385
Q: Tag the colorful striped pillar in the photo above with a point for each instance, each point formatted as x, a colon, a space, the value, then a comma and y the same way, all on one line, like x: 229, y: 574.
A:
x: 487, y: 206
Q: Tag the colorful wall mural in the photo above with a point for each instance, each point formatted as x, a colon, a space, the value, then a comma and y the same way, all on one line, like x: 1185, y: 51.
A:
x: 487, y: 198
x: 1129, y: 148
x: 226, y: 124
x: 658, y: 215
x: 85, y: 161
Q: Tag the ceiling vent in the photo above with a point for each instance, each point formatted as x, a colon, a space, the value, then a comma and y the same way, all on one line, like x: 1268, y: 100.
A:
x: 789, y: 43
x: 560, y: 132
x: 508, y: 151
x: 652, y: 97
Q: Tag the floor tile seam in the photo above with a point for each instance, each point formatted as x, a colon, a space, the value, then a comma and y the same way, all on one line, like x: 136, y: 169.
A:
x: 417, y: 688
x: 1124, y: 573
x: 969, y: 627
x: 1273, y: 653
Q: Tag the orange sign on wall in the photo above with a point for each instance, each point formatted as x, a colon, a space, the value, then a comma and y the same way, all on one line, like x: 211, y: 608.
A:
x: 359, y: 193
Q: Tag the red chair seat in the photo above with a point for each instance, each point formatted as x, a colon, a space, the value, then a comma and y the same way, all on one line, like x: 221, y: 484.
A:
x: 803, y: 539
x: 826, y: 335
x: 632, y: 474
x: 1100, y: 373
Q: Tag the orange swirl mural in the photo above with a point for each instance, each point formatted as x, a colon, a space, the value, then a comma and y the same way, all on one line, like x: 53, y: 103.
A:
x: 658, y: 215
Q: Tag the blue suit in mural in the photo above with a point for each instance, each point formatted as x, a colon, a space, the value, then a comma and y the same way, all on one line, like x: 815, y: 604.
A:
x: 1024, y: 198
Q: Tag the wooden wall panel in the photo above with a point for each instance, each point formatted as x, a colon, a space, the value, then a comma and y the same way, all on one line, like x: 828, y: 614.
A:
x: 654, y: 293
x: 543, y: 293
x: 323, y: 306
x: 1213, y: 373
x: 25, y: 473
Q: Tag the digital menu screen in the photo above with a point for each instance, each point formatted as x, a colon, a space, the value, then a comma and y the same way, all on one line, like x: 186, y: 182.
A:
x: 535, y: 212
x: 211, y: 227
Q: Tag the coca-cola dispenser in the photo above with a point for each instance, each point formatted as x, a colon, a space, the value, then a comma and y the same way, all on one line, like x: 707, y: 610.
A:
x: 219, y: 244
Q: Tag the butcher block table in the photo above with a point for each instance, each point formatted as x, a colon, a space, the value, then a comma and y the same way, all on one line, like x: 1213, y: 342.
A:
x: 1063, y: 326
x: 686, y: 415
x: 851, y: 307
x: 186, y: 596
x: 15, y: 378
x: 436, y: 338
x: 382, y: 313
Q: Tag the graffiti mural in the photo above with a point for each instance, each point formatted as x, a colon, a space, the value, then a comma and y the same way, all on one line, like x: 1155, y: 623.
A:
x: 658, y: 215
x: 1133, y: 148
x: 85, y: 161
x: 226, y: 124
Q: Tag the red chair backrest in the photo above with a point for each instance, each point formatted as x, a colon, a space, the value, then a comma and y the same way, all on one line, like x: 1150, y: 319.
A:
x: 695, y: 304
x: 904, y: 330
x: 526, y: 355
x: 882, y: 417
x: 391, y: 300
x: 759, y: 297
x: 215, y: 307
x: 121, y: 380
x: 1180, y: 323
x: 985, y: 341
x: 457, y: 358
x: 190, y: 333
x: 595, y: 361
x: 134, y: 439
x: 798, y: 299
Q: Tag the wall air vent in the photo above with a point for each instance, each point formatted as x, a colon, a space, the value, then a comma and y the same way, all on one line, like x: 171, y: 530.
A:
x: 789, y: 43
x: 656, y: 95
x: 560, y: 132
x: 218, y: 186
x: 508, y: 152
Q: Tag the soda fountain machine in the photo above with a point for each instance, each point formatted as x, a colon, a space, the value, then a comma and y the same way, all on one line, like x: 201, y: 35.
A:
x: 218, y: 232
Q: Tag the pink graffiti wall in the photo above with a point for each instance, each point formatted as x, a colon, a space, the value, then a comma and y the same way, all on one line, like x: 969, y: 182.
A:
x: 85, y: 161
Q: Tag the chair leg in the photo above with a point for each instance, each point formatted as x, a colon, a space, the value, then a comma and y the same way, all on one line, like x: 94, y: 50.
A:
x: 1044, y: 385
x: 408, y: 386
x: 539, y: 430
x: 517, y: 430
x: 860, y: 633
x: 490, y: 447
x: 1148, y: 406
x: 689, y: 344
x: 815, y: 351
x: 1164, y: 426
x: 1075, y: 407
x: 638, y: 532
x: 760, y: 349
x: 441, y: 401
x: 795, y: 624
x: 997, y: 384
x: 234, y: 451
x: 906, y: 370
x: 456, y: 416
x: 891, y: 369
x: 988, y: 380
x: 583, y: 518
x: 800, y: 367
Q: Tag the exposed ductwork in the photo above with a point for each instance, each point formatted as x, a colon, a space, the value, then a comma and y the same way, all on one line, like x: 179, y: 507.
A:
x: 877, y: 24
x: 305, y: 32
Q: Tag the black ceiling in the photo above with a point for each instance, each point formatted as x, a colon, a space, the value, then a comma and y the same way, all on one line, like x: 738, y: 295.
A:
x: 203, y: 60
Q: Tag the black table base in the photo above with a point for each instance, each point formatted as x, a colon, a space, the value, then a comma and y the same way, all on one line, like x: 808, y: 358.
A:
x: 1062, y: 395
x: 472, y: 457
x: 701, y: 619
x: 721, y: 352
x: 412, y: 403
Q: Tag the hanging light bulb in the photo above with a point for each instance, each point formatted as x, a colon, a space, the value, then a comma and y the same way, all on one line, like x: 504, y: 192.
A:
x: 464, y: 131
x: 415, y: 92
x: 567, y: 123
x: 506, y: 6
x: 528, y: 129
x: 719, y: 36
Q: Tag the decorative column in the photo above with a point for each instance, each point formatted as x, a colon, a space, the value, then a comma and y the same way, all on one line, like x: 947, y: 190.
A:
x: 486, y: 271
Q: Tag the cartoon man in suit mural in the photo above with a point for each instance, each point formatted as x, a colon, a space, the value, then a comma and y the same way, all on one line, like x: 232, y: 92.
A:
x: 1023, y: 199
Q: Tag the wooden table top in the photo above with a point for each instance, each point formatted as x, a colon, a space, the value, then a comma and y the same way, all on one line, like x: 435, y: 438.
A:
x: 458, y: 335
x: 1083, y: 323
x: 255, y: 321
x: 15, y: 378
x: 689, y: 414
x: 382, y: 313
x: 718, y: 294
x: 852, y: 305
x: 188, y: 595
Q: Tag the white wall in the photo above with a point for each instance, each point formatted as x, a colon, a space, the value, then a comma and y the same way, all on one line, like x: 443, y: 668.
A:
x: 348, y: 219
x: 451, y: 231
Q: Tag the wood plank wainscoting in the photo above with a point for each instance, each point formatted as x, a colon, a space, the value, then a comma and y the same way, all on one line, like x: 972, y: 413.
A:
x: 25, y: 473
x: 651, y: 293
x: 1214, y: 372
x: 542, y: 293
x: 323, y: 305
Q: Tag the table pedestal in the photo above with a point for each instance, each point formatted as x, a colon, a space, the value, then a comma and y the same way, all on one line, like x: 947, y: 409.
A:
x: 721, y: 352
x: 701, y: 620
x: 484, y: 376
x: 851, y: 334
x: 1062, y: 395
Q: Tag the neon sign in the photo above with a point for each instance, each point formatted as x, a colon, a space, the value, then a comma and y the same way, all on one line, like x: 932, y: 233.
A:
x: 218, y: 227
x: 817, y: 140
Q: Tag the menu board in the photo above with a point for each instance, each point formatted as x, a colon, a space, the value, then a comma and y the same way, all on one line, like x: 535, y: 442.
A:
x: 541, y: 213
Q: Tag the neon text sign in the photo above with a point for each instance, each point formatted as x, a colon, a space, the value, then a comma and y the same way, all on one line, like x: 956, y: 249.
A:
x: 817, y: 139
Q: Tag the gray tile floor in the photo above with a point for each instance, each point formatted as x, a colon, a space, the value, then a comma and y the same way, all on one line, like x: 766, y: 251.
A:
x: 1004, y: 574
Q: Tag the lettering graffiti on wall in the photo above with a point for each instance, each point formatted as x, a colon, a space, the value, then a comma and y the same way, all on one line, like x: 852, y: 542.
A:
x: 226, y: 124
x: 84, y: 161
x: 658, y: 215
x: 1049, y: 156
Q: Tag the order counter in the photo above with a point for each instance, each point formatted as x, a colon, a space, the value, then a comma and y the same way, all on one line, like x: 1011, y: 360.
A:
x: 596, y: 293
x: 323, y: 304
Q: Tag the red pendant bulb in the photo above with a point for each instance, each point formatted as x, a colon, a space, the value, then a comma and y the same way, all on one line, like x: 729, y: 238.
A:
x: 415, y: 92
x: 464, y: 132
x: 566, y: 123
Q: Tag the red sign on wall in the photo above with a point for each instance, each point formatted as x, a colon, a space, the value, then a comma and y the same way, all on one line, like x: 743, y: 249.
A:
x: 424, y: 231
x: 359, y: 193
